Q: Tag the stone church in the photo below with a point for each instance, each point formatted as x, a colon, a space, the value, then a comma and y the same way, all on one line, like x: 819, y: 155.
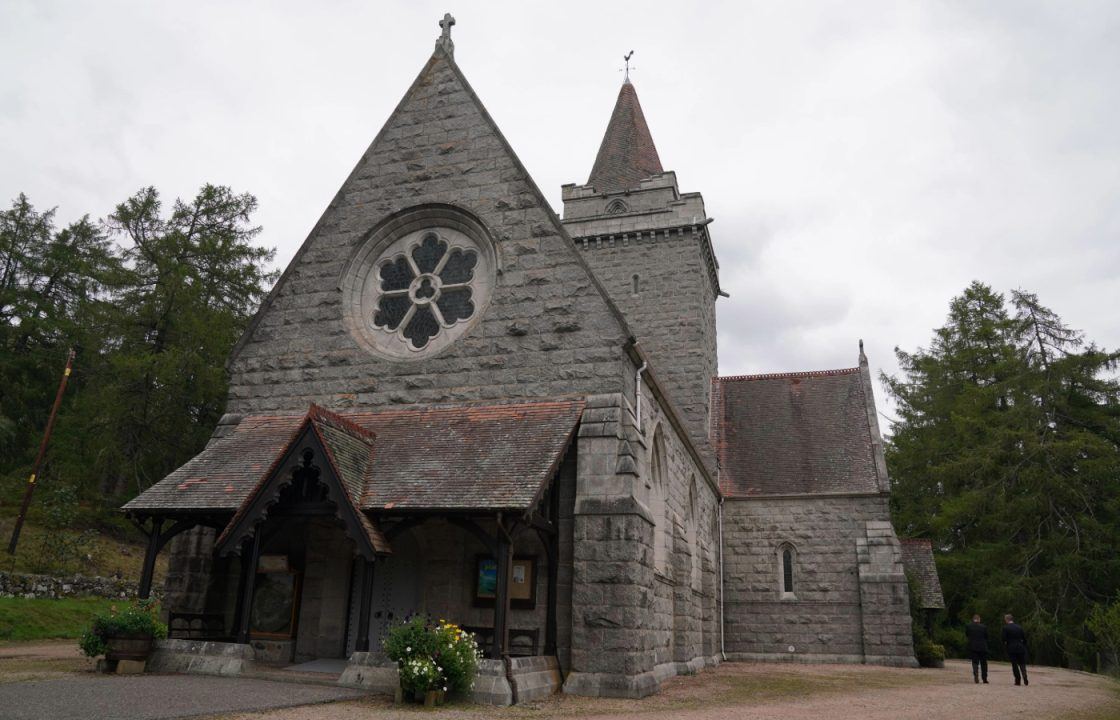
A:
x: 455, y: 402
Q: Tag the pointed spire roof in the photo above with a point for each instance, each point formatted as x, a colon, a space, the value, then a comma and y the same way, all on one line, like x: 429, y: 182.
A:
x: 627, y: 155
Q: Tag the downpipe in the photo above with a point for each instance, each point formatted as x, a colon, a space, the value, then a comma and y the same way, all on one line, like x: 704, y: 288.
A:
x: 638, y: 395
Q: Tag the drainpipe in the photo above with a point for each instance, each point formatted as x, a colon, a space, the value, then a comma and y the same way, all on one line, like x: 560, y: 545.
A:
x: 722, y: 647
x: 638, y: 395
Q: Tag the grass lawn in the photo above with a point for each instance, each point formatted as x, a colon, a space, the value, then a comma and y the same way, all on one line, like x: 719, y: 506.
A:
x: 23, y: 619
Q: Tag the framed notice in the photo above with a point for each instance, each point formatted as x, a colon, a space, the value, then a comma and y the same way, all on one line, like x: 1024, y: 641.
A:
x: 522, y: 582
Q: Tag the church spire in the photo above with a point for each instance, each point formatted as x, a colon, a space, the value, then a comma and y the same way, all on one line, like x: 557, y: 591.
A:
x: 627, y: 155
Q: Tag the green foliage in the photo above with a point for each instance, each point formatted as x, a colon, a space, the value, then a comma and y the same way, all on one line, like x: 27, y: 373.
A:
x: 138, y: 619
x: 432, y: 656
x: 23, y: 619
x: 59, y: 550
x: 153, y: 301
x: 1007, y: 454
x: 929, y: 653
x: 1104, y: 623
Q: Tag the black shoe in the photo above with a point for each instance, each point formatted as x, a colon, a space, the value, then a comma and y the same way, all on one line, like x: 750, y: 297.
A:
x: 985, y: 681
x: 1016, y: 683
x: 1025, y: 681
x: 975, y: 681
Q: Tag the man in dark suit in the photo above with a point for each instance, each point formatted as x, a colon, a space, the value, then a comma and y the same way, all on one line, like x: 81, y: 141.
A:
x: 977, y: 636
x: 1015, y: 640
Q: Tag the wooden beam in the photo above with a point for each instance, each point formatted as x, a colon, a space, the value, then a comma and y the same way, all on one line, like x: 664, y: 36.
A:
x: 250, y: 582
x: 365, y: 607
x: 145, y: 589
x: 501, y: 593
x: 475, y: 529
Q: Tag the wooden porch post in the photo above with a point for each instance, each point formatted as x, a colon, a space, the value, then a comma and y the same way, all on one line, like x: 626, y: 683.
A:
x: 553, y: 550
x: 250, y: 568
x: 150, y: 560
x: 366, y: 605
x: 501, y: 593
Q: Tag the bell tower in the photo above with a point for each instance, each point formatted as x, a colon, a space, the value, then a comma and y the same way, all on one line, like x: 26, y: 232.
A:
x: 648, y: 244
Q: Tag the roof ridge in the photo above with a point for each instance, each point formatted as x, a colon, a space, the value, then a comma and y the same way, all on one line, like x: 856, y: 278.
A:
x: 781, y: 375
x: 318, y: 413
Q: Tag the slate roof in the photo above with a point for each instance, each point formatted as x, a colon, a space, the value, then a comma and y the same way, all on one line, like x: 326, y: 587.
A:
x: 349, y: 453
x: 627, y: 155
x: 917, y: 558
x: 446, y: 457
x: 794, y: 434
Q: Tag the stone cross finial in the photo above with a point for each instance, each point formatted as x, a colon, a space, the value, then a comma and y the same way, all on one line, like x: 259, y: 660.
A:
x: 445, y: 36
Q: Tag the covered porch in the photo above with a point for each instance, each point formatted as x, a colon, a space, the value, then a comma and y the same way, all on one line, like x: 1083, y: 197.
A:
x: 352, y: 528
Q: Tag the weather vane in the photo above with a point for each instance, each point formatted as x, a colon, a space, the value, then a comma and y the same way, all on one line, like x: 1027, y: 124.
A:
x: 626, y: 58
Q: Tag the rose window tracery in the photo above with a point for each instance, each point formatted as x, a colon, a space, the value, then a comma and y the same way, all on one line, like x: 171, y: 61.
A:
x: 419, y: 283
x: 426, y: 290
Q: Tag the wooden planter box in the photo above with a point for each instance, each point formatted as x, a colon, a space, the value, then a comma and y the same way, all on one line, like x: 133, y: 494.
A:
x: 128, y: 648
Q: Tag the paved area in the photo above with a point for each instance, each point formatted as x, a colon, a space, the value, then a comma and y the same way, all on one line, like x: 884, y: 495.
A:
x: 153, y: 697
x: 747, y: 691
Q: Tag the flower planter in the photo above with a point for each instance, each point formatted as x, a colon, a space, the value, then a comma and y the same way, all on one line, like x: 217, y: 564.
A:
x: 128, y: 648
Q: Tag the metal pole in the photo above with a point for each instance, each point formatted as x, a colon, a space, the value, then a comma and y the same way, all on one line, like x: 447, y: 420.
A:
x: 39, y: 458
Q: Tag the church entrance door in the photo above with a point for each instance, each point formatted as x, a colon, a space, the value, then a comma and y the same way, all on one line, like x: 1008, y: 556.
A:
x: 398, y: 582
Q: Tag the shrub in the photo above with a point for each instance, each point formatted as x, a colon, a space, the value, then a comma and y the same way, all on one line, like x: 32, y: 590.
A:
x: 432, y: 656
x: 929, y: 653
x: 136, y: 620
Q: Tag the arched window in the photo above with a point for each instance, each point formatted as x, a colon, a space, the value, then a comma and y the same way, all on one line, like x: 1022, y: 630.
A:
x: 634, y: 285
x: 616, y: 207
x: 787, y: 561
x: 693, y: 529
x: 659, y: 505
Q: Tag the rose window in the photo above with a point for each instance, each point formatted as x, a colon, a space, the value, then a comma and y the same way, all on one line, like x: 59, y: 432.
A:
x: 419, y: 282
x: 426, y: 290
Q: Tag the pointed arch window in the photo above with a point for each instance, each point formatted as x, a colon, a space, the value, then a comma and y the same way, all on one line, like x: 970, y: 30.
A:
x: 659, y: 505
x: 693, y: 530
x: 787, y: 564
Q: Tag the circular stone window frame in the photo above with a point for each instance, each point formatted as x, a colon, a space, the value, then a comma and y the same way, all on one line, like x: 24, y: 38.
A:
x: 360, y: 280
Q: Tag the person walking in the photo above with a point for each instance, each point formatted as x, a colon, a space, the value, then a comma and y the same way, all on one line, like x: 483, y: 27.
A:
x: 1015, y: 640
x: 977, y: 636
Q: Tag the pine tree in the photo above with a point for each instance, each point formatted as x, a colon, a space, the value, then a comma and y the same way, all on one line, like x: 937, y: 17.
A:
x: 1007, y: 454
x: 194, y: 279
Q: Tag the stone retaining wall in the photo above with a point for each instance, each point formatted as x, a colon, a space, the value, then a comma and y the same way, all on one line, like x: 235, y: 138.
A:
x: 48, y: 586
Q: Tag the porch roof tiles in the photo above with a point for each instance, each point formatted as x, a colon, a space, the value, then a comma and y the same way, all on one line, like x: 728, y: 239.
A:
x: 443, y: 457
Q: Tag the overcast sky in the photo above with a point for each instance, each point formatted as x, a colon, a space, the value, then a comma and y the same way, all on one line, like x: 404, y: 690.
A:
x: 863, y: 161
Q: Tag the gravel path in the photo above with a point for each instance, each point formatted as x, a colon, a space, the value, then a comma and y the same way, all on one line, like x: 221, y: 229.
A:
x: 747, y: 691
x: 153, y: 697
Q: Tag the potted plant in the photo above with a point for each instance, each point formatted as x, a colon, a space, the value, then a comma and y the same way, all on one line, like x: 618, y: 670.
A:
x: 123, y: 634
x: 433, y: 659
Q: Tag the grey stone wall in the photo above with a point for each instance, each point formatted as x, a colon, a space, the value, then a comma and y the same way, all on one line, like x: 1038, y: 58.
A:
x: 190, y: 560
x: 548, y: 330
x: 663, y: 241
x: 636, y: 619
x: 50, y: 587
x: 839, y: 608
